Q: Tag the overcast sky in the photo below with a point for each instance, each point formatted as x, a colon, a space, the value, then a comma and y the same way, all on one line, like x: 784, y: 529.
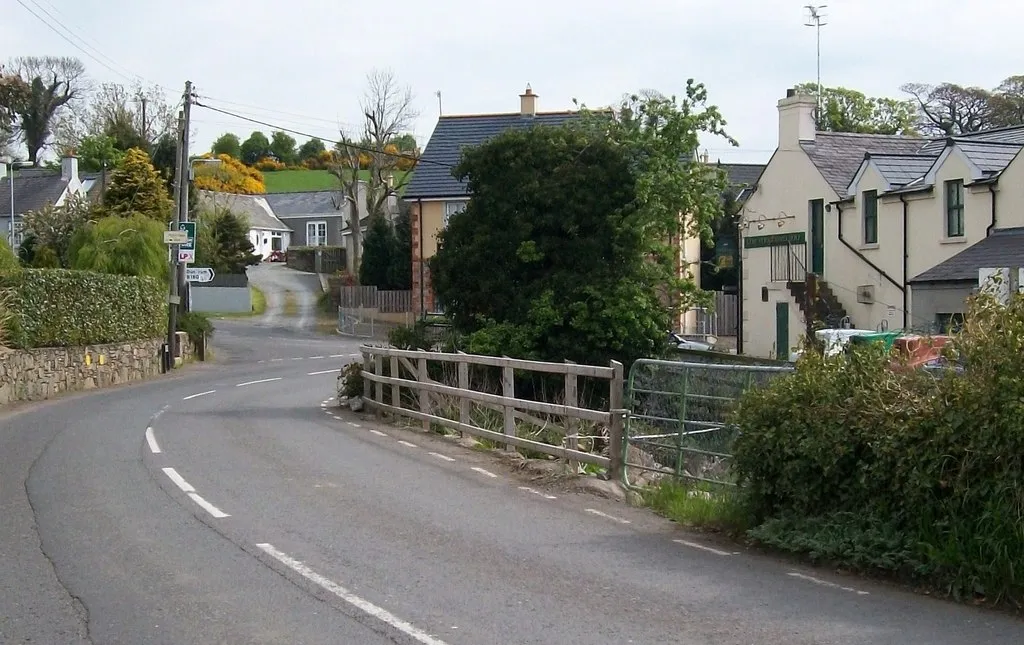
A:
x: 302, y: 63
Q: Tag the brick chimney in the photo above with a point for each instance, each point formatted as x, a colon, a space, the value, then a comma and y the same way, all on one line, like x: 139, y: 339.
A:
x: 528, y: 103
x: 69, y: 169
x: 796, y: 120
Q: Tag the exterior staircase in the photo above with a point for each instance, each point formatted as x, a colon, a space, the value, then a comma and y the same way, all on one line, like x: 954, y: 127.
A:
x: 826, y: 308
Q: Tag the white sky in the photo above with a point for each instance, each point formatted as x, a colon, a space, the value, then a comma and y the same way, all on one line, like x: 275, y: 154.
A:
x: 302, y: 63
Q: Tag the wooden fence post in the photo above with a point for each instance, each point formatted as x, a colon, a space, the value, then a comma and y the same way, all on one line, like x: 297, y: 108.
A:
x: 378, y: 369
x: 396, y: 390
x: 572, y: 425
x: 464, y: 403
x: 367, y: 367
x: 423, y: 376
x: 617, y: 450
x: 508, y: 390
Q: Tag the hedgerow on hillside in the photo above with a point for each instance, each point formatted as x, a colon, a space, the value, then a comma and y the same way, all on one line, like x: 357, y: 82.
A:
x: 851, y: 461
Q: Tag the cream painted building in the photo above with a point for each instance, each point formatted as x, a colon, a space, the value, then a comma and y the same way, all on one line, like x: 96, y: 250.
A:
x: 867, y: 214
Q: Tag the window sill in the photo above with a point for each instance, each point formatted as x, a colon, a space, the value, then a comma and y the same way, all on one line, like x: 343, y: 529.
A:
x: 954, y: 240
x: 869, y: 247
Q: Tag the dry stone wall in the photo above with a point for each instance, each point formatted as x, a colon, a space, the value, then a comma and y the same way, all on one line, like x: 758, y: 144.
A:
x: 39, y: 374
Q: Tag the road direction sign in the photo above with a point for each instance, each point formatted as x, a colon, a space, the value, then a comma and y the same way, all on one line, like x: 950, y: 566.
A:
x: 175, y: 237
x: 199, y: 274
x: 186, y: 256
x: 190, y: 228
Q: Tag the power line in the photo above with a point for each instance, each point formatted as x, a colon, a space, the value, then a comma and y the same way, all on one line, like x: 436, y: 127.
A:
x: 346, y: 144
x: 256, y: 108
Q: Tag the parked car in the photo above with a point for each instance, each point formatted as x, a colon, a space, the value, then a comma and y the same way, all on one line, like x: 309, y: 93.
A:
x: 277, y: 256
x: 678, y: 341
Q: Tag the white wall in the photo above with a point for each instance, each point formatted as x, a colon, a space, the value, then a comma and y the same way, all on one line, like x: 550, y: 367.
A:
x: 262, y: 240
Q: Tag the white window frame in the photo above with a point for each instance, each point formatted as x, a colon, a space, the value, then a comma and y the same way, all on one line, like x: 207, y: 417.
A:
x: 315, y: 226
x: 453, y: 208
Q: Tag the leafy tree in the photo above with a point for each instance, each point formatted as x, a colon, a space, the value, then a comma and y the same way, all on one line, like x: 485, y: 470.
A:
x: 255, y: 148
x: 130, y: 245
x: 136, y: 188
x: 53, y: 228
x: 282, y: 146
x: 401, y: 264
x: 14, y: 94
x: 563, y: 251
x: 1007, y: 103
x: 96, y: 152
x: 134, y: 116
x: 165, y: 159
x: 229, y: 176
x: 53, y: 83
x: 405, y: 142
x: 379, y: 249
x: 713, y: 276
x: 311, y: 149
x: 227, y: 144
x: 948, y: 109
x: 223, y: 242
x: 846, y: 110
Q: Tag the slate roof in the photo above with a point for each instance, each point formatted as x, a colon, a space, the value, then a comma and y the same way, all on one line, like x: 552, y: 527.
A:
x: 253, y: 207
x: 1010, y: 134
x: 900, y: 170
x: 317, y: 202
x: 33, y: 189
x: 1003, y: 248
x: 990, y: 157
x: 838, y: 155
x: 433, y: 177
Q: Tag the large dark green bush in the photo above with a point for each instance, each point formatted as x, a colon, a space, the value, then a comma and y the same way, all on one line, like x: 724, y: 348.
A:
x: 64, y: 308
x: 854, y: 461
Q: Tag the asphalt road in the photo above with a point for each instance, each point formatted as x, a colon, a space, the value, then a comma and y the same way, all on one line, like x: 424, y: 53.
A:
x: 233, y: 503
x: 275, y: 281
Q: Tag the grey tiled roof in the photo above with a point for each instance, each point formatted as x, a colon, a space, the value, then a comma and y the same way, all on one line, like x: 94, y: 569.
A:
x: 1003, y: 248
x: 838, y: 155
x: 32, y: 191
x: 319, y: 202
x: 253, y: 207
x: 1012, y: 134
x: 900, y: 170
x: 742, y: 174
x: 433, y: 176
x: 990, y: 157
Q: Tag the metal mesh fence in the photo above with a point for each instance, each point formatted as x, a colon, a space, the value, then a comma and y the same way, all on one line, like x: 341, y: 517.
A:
x: 678, y: 423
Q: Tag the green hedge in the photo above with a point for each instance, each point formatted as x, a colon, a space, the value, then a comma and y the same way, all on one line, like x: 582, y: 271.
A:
x: 851, y: 461
x: 65, y: 308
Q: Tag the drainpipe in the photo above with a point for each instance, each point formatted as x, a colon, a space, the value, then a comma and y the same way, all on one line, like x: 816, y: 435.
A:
x: 881, y: 272
x: 419, y: 214
x: 906, y: 260
x: 992, y: 222
x: 739, y: 289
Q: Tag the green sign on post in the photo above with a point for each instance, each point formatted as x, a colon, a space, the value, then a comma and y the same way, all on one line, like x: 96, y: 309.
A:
x: 190, y: 228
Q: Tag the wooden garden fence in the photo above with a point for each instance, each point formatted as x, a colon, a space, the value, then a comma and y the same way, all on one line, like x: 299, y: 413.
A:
x: 411, y: 370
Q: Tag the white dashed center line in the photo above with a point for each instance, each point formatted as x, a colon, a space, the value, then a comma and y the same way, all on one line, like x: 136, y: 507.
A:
x: 313, y: 358
x: 262, y: 380
x: 594, y: 511
x: 186, y: 487
x: 408, y: 444
x: 826, y: 583
x: 483, y: 472
x: 378, y: 433
x: 196, y: 396
x: 322, y: 372
x: 537, y: 492
x: 154, y: 447
x: 440, y: 456
x: 694, y: 545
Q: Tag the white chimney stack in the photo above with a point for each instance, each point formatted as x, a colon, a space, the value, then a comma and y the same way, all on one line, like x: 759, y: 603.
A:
x: 69, y: 169
x: 528, y: 102
x: 796, y: 120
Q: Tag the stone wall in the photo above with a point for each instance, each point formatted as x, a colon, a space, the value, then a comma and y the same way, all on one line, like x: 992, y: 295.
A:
x: 38, y: 374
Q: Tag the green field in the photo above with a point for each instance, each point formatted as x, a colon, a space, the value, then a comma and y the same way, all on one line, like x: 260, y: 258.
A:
x: 295, y: 181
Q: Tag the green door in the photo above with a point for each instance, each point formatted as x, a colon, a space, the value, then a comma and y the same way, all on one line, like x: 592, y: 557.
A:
x: 782, y: 331
x: 818, y: 237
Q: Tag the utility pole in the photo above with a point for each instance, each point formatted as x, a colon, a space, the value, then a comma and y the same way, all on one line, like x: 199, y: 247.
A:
x: 186, y: 179
x: 181, y: 177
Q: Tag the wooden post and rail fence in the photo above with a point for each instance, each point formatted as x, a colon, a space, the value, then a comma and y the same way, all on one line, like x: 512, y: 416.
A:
x: 389, y: 373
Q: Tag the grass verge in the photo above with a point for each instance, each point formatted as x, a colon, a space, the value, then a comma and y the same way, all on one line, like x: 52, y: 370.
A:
x: 291, y: 304
x: 697, y: 505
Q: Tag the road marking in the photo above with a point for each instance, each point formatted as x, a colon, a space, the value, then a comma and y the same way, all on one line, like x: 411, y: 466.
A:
x: 323, y: 372
x: 344, y: 594
x: 313, y: 358
x: 826, y: 583
x: 440, y: 456
x: 408, y: 444
x: 154, y: 447
x: 276, y: 360
x: 261, y: 361
x: 709, y: 549
x: 196, y: 396
x: 483, y: 472
x: 208, y: 507
x: 340, y: 355
x: 594, y: 511
x: 262, y: 380
x: 298, y: 358
x: 378, y: 432
x: 537, y: 492
x: 178, y: 480
x: 356, y: 425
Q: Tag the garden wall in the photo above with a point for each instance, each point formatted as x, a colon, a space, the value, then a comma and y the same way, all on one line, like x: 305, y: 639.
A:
x: 39, y: 374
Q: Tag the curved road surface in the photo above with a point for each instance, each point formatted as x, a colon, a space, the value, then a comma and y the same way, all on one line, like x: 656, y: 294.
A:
x: 276, y: 281
x: 232, y: 503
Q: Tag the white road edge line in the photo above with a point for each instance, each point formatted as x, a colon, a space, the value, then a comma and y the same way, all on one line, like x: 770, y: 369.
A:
x: 709, y: 549
x: 262, y: 380
x: 196, y: 396
x: 178, y: 480
x: 826, y: 583
x: 154, y: 447
x: 408, y: 444
x: 594, y: 511
x: 440, y: 456
x: 208, y: 507
x: 537, y: 492
x: 378, y: 432
x: 322, y: 372
x: 483, y: 472
x: 344, y: 594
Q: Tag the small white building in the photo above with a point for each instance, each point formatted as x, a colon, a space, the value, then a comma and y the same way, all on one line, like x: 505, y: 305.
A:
x: 266, y: 232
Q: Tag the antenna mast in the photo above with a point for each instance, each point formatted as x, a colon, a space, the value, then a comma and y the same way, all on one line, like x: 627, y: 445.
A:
x: 816, y: 19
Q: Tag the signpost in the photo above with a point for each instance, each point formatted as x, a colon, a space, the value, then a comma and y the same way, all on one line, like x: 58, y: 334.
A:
x: 175, y: 237
x: 199, y: 274
x: 187, y: 250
